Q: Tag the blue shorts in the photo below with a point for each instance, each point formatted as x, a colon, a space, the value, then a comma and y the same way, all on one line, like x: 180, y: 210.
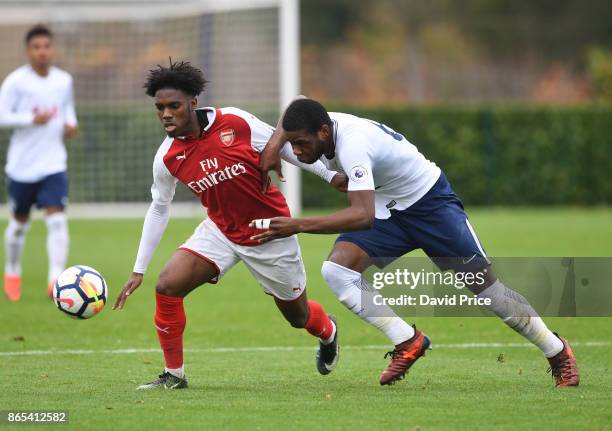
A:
x: 51, y: 191
x: 436, y: 223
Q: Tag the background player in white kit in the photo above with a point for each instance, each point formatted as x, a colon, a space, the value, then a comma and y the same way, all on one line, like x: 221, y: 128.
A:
x: 37, y: 101
x: 215, y: 153
x: 400, y: 201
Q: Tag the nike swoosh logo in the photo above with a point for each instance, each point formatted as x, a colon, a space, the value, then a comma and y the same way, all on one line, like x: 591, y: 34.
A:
x: 67, y: 301
x: 465, y: 262
x: 166, y: 330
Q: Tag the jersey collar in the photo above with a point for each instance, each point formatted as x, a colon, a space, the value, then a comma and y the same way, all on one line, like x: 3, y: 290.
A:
x: 334, y: 139
x: 211, y: 115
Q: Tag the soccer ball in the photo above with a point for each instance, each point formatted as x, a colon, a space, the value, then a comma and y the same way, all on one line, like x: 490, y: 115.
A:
x: 80, y: 292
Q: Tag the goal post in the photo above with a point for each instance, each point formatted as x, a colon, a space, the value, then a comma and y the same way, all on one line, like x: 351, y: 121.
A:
x: 248, y: 49
x: 290, y: 87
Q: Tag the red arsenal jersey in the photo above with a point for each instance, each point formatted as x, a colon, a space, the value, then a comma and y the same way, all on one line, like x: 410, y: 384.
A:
x: 221, y: 167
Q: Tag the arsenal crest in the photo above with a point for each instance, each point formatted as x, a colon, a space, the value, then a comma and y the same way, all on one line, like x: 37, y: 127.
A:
x: 227, y: 137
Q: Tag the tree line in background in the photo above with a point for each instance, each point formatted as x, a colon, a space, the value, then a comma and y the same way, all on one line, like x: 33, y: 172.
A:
x: 381, y: 51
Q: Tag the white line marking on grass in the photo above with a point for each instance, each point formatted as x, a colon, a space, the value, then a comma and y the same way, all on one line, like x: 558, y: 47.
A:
x: 287, y: 348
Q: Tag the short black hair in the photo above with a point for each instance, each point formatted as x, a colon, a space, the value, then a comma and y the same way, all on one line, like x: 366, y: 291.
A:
x: 37, y: 30
x: 305, y: 114
x: 179, y: 76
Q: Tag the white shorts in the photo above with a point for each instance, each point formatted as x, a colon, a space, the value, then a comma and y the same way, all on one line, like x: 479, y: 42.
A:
x: 277, y: 265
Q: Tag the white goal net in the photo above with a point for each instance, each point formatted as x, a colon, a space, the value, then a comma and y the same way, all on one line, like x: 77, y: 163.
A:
x: 247, y: 49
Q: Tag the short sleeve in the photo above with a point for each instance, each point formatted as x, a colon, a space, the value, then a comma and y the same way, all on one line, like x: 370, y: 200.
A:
x: 356, y: 162
x: 261, y: 132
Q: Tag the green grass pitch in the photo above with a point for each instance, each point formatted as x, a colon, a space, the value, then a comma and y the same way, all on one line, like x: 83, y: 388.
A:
x: 248, y: 369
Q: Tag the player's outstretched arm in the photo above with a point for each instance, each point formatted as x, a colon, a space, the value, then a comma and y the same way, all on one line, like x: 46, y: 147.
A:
x: 360, y: 215
x: 155, y: 224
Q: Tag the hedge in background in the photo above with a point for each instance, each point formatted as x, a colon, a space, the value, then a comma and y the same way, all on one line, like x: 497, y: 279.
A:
x: 505, y: 156
x: 492, y: 156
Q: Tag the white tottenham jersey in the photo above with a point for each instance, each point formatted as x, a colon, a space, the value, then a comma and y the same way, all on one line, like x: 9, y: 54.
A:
x: 374, y: 157
x: 36, y: 151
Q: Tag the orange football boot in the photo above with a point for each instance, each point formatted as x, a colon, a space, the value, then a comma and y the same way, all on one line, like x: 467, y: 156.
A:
x: 12, y: 286
x: 563, y: 366
x: 404, y: 356
x: 50, y: 289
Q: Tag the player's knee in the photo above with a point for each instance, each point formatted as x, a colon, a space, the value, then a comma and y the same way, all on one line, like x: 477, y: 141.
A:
x: 17, y: 228
x: 166, y: 287
x: 56, y: 222
x: 343, y: 282
x: 22, y: 218
x: 335, y: 274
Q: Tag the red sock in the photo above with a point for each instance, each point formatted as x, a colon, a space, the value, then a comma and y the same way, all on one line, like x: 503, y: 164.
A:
x: 170, y: 322
x: 318, y: 323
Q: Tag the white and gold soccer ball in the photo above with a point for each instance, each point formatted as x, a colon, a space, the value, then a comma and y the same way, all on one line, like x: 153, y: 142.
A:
x: 80, y: 292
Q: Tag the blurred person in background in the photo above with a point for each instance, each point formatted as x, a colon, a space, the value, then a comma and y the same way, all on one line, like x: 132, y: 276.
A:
x: 37, y: 102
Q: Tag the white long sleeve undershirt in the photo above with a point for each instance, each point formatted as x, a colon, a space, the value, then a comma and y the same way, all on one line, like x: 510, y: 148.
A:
x: 155, y: 223
x: 317, y: 168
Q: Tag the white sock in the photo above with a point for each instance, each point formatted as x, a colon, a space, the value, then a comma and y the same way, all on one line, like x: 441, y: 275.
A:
x: 347, y: 286
x: 177, y: 372
x: 516, y: 312
x: 14, y: 241
x: 57, y: 243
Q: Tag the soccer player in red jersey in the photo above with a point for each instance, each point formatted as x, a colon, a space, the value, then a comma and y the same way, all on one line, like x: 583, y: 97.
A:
x: 215, y: 153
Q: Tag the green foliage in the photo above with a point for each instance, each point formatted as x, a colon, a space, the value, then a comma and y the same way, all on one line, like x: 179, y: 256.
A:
x: 492, y: 156
x: 505, y: 155
x: 600, y: 70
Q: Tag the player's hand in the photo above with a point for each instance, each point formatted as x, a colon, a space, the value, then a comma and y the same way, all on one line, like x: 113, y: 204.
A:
x: 277, y: 227
x: 70, y: 132
x: 41, y: 118
x: 340, y: 182
x: 270, y: 160
x: 132, y: 284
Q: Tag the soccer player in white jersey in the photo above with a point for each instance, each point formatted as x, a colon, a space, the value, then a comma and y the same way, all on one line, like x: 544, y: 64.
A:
x: 215, y: 153
x: 399, y: 201
x: 37, y: 102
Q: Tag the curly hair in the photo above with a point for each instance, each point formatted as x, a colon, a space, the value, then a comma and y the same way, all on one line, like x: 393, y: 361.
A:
x: 180, y: 75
